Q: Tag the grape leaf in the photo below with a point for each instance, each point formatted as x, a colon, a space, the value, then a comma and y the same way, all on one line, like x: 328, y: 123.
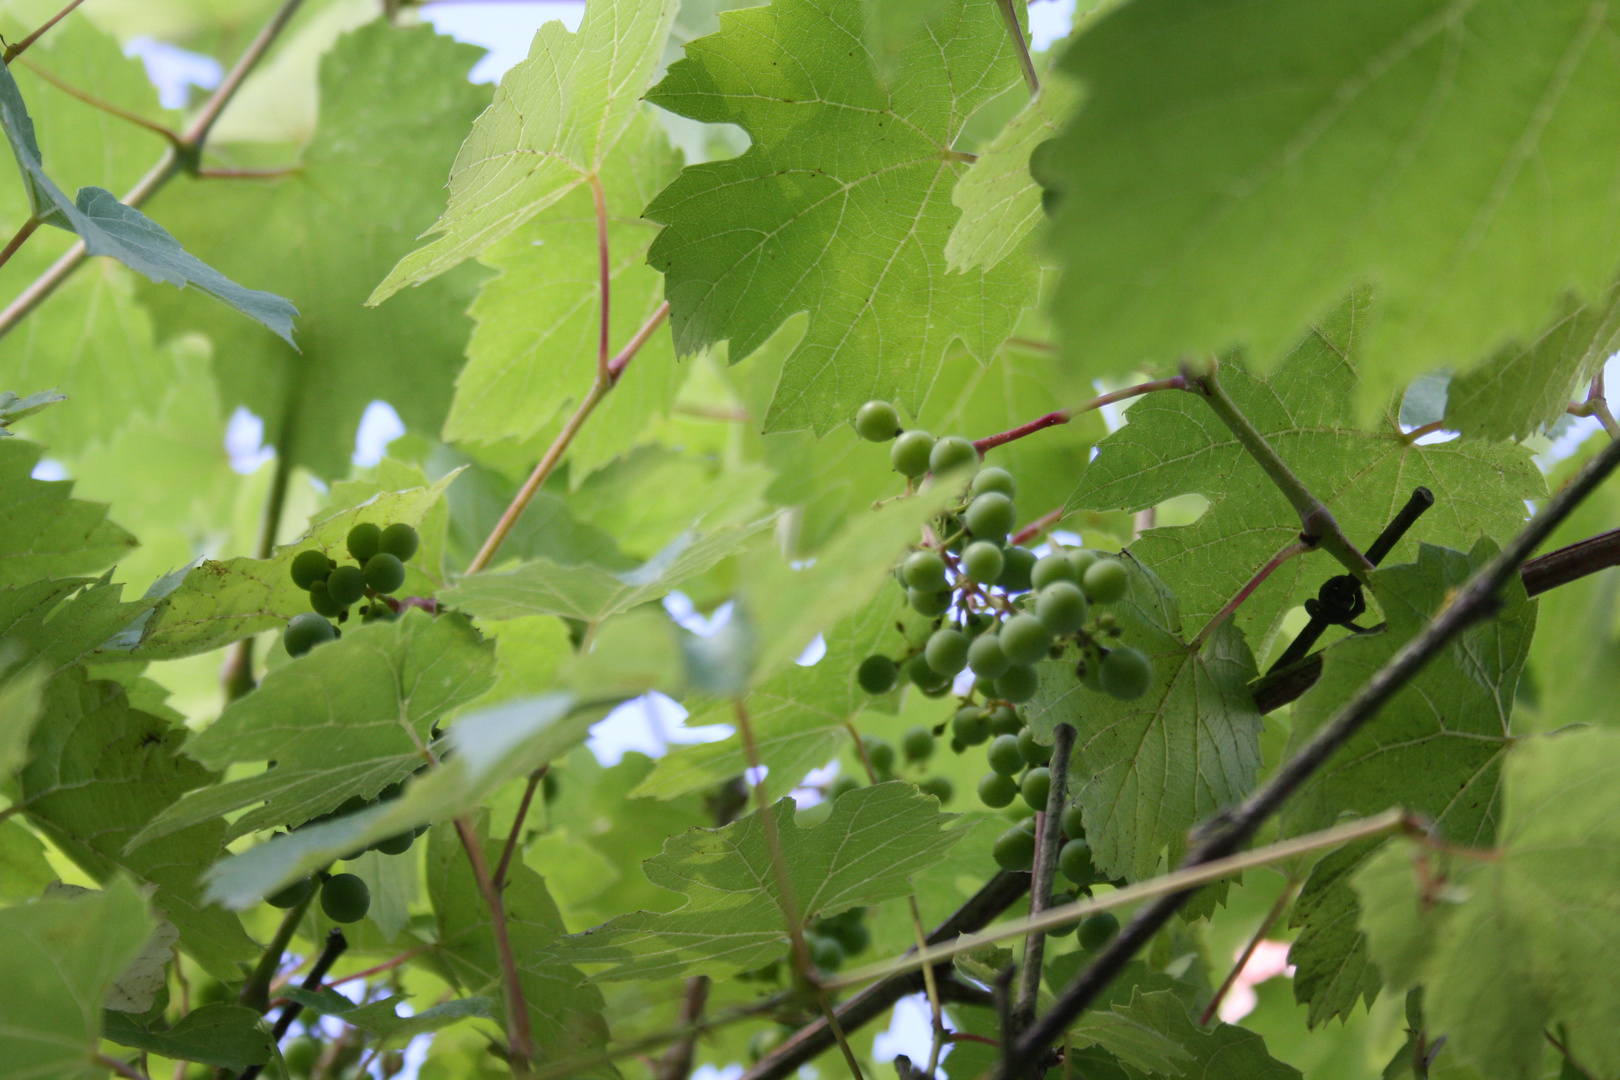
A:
x: 99, y: 770
x: 565, y: 1012
x: 556, y: 118
x: 217, y: 603
x: 534, y: 349
x: 999, y: 200
x: 14, y: 408
x: 1227, y: 183
x: 24, y: 870
x: 866, y: 852
x: 348, y: 719
x: 58, y: 622
x: 1174, y: 444
x: 48, y: 532
x: 1147, y: 770
x: 227, y: 1036
x: 839, y: 207
x: 61, y: 955
x: 1523, y: 941
x: 20, y: 706
x: 380, y: 1018
x: 393, y: 103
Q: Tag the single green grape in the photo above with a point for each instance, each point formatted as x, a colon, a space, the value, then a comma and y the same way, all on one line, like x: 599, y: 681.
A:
x: 1015, y: 850
x: 971, y: 725
x: 292, y: 894
x: 917, y: 744
x: 1050, y: 568
x: 1080, y: 559
x: 997, y: 790
x: 990, y: 516
x: 982, y: 562
x: 1125, y: 674
x: 345, y: 898
x: 1018, y: 684
x: 385, y: 573
x: 398, y: 844
x: 825, y: 953
x: 1061, y: 607
x: 986, y: 658
x: 880, y: 754
x: 975, y: 623
x: 1074, y: 822
x: 1106, y: 580
x: 305, y: 631
x: 1074, y: 862
x: 994, y: 479
x: 310, y: 566
x: 877, y: 421
x: 940, y: 787
x: 929, y: 604
x: 947, y: 651
x: 951, y: 452
x: 1020, y: 562
x: 347, y: 585
x: 842, y: 786
x: 378, y: 611
x: 877, y: 674
x: 1098, y: 930
x: 1004, y: 721
x: 400, y: 541
x: 364, y: 541
x: 909, y: 454
x: 1004, y: 756
x: 300, y: 1055
x: 923, y: 676
x: 924, y: 570
x: 1024, y: 639
x: 1032, y: 752
x: 848, y: 930
x: 1037, y: 786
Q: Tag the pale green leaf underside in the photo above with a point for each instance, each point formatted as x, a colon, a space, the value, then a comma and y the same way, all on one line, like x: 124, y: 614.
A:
x: 555, y: 119
x: 1239, y: 165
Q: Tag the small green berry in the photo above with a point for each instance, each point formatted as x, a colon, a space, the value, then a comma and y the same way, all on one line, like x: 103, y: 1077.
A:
x: 1037, y: 786
x: 917, y: 744
x: 1015, y: 850
x: 320, y: 600
x: 940, y: 787
x: 982, y: 562
x: 825, y: 953
x: 947, y: 651
x: 877, y: 421
x: 990, y: 516
x: 993, y: 479
x: 1106, y: 580
x: 1003, y: 755
x: 310, y: 566
x: 1033, y: 753
x: 1098, y: 930
x: 880, y: 754
x: 1018, y: 684
x: 923, y: 676
x: 1015, y: 574
x: 971, y: 725
x: 1074, y: 862
x: 292, y: 894
x: 364, y: 541
x: 1060, y: 606
x: 305, y: 631
x: 1024, y: 639
x: 1004, y: 721
x: 400, y: 541
x: 385, y: 573
x: 996, y: 790
x: 1125, y: 674
x: 1074, y: 822
x: 1050, y: 568
x: 877, y: 674
x: 909, y: 454
x: 950, y: 453
x: 986, y: 658
x: 345, y: 898
x: 928, y: 603
x: 924, y: 570
x: 347, y: 585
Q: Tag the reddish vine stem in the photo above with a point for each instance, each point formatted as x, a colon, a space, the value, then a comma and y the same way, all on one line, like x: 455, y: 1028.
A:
x: 517, y: 826
x: 14, y: 51
x: 1242, y: 961
x: 1036, y: 527
x: 1297, y: 548
x: 1063, y: 416
x: 605, y: 270
x: 387, y: 965
x: 1048, y: 836
x: 1009, y: 15
x: 520, y: 1042
x: 172, y: 137
x: 1417, y: 433
x: 19, y: 239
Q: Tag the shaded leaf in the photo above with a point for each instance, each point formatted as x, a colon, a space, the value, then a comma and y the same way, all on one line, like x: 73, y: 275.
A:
x: 48, y: 532
x: 227, y: 1036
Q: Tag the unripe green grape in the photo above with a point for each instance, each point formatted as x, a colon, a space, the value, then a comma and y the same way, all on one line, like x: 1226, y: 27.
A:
x: 996, y: 790
x: 940, y: 787
x: 909, y: 454
x: 971, y: 725
x: 400, y: 541
x: 982, y: 562
x: 1015, y: 573
x: 1050, y: 568
x: 852, y: 935
x: 1018, y: 684
x: 292, y: 894
x: 1061, y: 607
x: 1003, y: 721
x: 880, y: 754
x: 1125, y: 674
x: 1015, y: 850
x: 986, y: 658
x: 1074, y: 862
x: 1106, y: 581
x: 378, y: 612
x: 305, y: 631
x: 364, y: 541
x: 1003, y: 755
x: 385, y: 573
x: 825, y: 953
x: 951, y: 452
x: 993, y: 479
x: 310, y: 566
x: 947, y: 651
x: 924, y: 570
x: 300, y: 1055
x: 1063, y: 899
x: 1024, y: 639
x: 1027, y: 822
x: 1033, y: 753
x: 1036, y: 787
x: 877, y: 674
x: 975, y: 623
x: 923, y: 676
x: 1098, y: 930
x: 917, y: 744
x: 1074, y: 822
x: 347, y: 585
x: 1080, y: 559
x: 842, y: 786
x: 398, y: 844
x: 927, y: 603
x: 990, y: 516
x: 877, y: 421
x: 345, y: 898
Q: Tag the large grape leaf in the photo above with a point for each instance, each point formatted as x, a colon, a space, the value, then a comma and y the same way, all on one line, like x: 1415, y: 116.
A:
x: 48, y: 532
x: 840, y: 207
x: 1146, y: 771
x: 733, y: 919
x: 1239, y: 165
x: 565, y: 1012
x: 227, y: 1036
x: 100, y: 770
x: 1525, y: 938
x: 393, y: 103
x: 61, y: 956
x: 56, y: 622
x: 1435, y: 749
x: 1175, y: 444
x: 556, y: 118
x: 534, y: 349
x: 216, y: 603
x: 350, y: 718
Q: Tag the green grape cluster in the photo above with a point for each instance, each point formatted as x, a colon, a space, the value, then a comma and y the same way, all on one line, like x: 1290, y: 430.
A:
x: 1015, y: 852
x: 832, y: 939
x: 916, y: 748
x: 380, y: 555
x: 345, y: 897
